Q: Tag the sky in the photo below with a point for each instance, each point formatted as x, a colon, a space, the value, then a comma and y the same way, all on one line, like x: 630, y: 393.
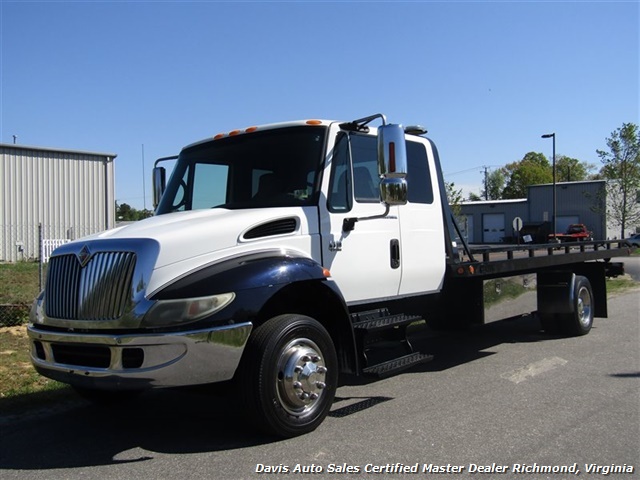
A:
x: 142, y: 79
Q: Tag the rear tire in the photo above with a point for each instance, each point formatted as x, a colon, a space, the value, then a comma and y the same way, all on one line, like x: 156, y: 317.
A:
x: 581, y: 320
x: 288, y: 375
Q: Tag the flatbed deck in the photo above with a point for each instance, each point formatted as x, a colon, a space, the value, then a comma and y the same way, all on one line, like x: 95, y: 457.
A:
x: 496, y: 261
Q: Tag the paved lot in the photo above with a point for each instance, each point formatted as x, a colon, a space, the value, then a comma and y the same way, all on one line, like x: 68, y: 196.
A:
x: 505, y: 394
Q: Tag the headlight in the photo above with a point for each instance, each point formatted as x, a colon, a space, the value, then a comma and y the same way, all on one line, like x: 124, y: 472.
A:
x: 173, y: 312
x: 36, y: 313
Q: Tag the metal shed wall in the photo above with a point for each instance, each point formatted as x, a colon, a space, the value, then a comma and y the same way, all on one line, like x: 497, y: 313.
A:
x: 510, y: 208
x: 584, y: 200
x: 68, y: 193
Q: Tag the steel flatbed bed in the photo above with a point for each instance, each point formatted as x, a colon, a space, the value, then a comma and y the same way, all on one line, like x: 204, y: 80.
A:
x: 491, y: 262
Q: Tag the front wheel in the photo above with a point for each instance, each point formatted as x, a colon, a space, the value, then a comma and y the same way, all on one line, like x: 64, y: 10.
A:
x: 288, y: 375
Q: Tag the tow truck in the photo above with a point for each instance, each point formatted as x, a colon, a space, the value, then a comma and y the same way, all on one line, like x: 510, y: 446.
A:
x: 281, y: 257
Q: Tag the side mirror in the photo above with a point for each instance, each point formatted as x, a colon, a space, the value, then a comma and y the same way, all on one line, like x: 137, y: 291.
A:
x: 392, y: 164
x: 159, y: 183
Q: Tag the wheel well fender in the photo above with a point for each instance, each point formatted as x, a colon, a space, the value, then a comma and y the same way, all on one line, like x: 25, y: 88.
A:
x: 251, y: 271
x: 321, y: 300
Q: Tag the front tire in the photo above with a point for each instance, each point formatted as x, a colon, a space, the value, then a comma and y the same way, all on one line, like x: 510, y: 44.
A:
x: 288, y: 375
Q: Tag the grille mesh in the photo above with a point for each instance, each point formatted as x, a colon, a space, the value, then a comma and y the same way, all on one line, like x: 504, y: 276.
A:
x: 101, y: 290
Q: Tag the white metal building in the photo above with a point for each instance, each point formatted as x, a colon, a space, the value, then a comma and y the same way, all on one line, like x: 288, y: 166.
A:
x: 576, y: 202
x: 65, y: 194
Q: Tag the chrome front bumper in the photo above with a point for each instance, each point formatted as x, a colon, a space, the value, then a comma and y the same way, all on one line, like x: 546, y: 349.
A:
x: 107, y: 361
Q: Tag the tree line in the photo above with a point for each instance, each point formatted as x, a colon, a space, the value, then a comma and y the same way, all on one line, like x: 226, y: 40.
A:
x: 620, y: 168
x: 126, y: 213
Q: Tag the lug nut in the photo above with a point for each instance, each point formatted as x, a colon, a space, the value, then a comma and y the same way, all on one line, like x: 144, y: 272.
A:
x: 297, y: 385
x: 321, y: 385
x: 321, y: 370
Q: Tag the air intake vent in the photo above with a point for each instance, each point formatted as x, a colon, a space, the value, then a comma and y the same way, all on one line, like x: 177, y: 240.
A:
x: 277, y: 227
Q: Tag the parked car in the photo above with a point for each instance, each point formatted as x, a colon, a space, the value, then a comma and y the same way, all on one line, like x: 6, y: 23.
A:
x: 634, y: 240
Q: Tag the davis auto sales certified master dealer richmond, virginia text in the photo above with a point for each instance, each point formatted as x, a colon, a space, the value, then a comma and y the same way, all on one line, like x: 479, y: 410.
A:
x: 516, y: 468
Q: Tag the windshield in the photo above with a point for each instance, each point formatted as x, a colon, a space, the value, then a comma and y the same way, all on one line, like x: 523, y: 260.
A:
x: 274, y: 168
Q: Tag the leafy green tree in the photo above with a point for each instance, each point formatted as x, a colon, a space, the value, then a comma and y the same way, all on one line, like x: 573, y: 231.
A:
x: 494, y: 183
x: 145, y: 213
x: 571, y: 169
x: 533, y: 169
x: 125, y: 213
x: 454, y: 196
x: 621, y: 169
x: 474, y: 197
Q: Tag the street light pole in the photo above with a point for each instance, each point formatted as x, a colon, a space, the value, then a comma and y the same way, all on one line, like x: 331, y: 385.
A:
x: 553, y: 136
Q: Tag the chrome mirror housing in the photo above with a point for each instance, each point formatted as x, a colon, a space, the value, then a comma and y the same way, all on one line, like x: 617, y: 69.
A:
x: 393, y: 191
x: 159, y: 183
x: 392, y: 164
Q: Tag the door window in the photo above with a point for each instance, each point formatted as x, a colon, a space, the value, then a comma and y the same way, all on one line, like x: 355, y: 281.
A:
x: 362, y: 150
x: 209, y: 185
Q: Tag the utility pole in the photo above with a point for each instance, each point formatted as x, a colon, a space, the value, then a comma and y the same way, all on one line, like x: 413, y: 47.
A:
x: 553, y: 136
x: 144, y: 197
x: 486, y: 183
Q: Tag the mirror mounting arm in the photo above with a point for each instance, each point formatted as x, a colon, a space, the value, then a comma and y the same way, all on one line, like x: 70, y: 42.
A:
x: 348, y: 224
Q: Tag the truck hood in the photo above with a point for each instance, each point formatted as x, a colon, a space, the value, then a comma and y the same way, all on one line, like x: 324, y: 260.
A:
x: 191, y: 234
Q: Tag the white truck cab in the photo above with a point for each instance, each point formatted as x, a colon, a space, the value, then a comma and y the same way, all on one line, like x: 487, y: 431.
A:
x: 293, y: 186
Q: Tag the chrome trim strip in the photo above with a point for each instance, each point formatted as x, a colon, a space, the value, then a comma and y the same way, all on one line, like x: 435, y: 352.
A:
x: 171, y: 359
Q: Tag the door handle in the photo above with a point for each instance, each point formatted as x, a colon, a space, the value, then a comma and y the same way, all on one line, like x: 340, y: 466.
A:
x: 394, y: 249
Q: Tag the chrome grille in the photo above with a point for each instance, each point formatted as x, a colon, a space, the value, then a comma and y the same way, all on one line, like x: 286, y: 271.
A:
x: 101, y: 290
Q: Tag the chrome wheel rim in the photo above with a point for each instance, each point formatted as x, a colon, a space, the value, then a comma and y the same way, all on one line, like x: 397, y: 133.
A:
x: 584, y: 307
x: 300, y: 382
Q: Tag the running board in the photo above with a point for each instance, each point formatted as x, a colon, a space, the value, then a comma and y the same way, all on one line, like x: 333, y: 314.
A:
x: 392, y: 367
x: 372, y: 323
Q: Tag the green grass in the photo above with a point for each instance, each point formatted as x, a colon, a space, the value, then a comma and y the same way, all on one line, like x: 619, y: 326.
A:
x: 19, y: 381
x: 20, y: 384
x: 19, y: 285
x: 19, y: 282
x: 620, y: 284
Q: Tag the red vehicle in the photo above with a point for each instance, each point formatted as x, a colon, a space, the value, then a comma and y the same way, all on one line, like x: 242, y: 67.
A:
x: 576, y: 232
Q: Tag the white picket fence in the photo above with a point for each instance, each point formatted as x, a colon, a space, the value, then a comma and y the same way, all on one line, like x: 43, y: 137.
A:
x: 49, y: 245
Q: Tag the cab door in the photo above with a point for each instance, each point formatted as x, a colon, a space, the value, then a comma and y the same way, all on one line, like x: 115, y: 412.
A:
x: 422, y: 229
x: 363, y: 260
